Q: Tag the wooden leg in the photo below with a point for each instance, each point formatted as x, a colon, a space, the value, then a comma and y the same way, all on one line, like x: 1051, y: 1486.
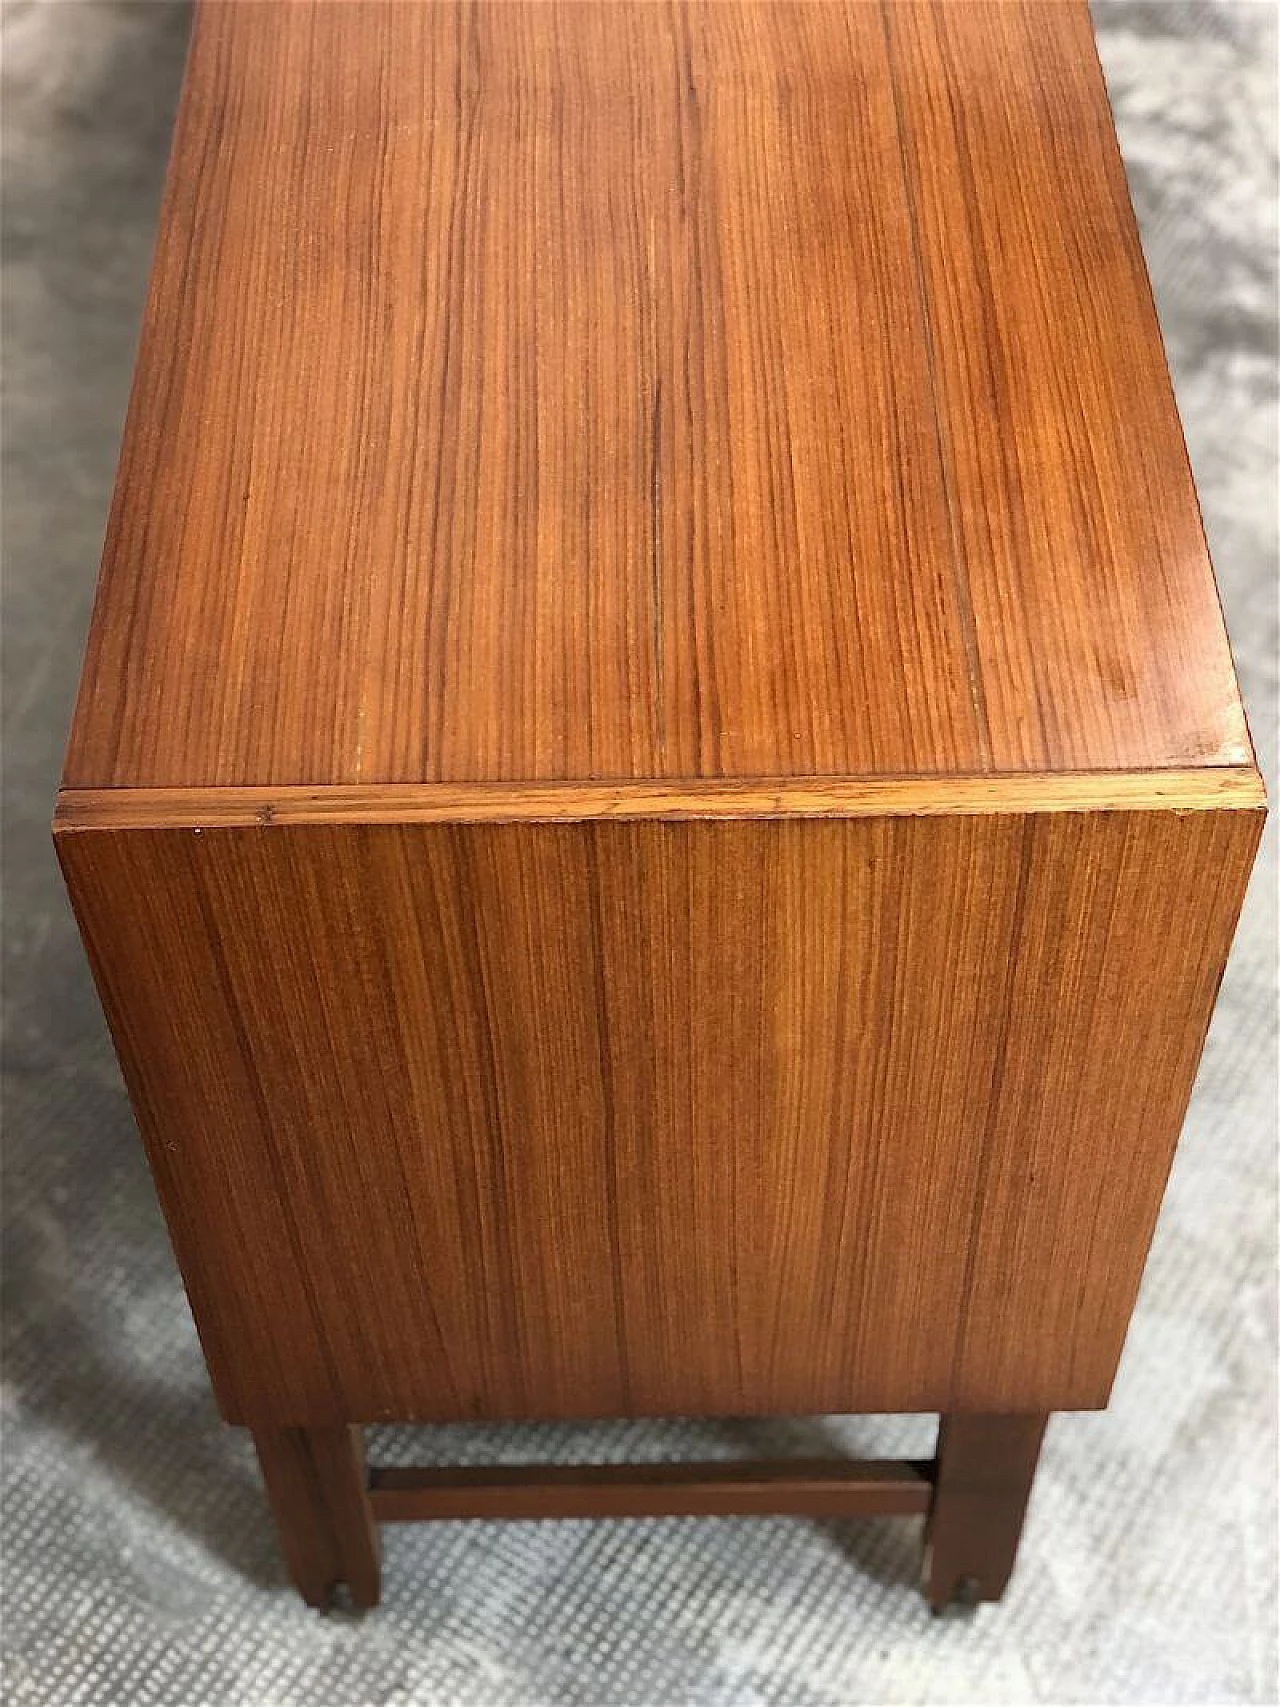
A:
x: 985, y: 1467
x: 316, y: 1486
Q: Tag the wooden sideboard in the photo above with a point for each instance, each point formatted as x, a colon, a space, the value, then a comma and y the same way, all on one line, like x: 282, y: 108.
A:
x: 658, y: 798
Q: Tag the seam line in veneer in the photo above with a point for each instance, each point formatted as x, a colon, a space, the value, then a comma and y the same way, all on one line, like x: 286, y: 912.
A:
x: 1182, y: 790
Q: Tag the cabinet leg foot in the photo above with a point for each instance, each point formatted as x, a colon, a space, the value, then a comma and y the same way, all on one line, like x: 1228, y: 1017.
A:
x: 985, y: 1466
x: 317, y: 1489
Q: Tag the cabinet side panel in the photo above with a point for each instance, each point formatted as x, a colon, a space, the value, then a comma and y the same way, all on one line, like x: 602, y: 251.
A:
x: 802, y: 1032
x: 365, y: 1064
x: 645, y: 1118
x: 1125, y: 922
x: 158, y: 955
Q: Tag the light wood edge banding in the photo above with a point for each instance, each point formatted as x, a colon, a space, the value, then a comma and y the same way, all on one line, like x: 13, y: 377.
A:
x: 1204, y: 788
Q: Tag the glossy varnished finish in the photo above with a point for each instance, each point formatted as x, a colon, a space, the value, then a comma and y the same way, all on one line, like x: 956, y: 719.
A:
x: 658, y: 798
x: 616, y: 391
x: 1095, y: 620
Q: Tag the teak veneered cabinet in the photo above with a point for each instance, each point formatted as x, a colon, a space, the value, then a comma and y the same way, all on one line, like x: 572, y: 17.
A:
x: 658, y: 799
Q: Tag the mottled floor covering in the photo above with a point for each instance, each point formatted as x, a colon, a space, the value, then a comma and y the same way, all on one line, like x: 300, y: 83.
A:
x: 139, y: 1564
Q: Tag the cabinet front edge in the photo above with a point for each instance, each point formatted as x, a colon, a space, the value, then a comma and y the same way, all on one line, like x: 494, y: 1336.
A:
x: 1204, y: 788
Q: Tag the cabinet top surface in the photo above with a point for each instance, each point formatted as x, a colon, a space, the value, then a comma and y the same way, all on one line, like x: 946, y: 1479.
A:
x: 623, y: 392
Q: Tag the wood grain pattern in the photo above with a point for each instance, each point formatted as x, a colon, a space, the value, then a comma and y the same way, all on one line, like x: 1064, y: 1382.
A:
x: 651, y: 1117
x: 658, y: 798
x: 1095, y: 620
x: 559, y: 391
x: 568, y: 803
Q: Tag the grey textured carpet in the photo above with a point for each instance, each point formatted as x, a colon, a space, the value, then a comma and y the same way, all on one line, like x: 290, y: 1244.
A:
x: 138, y: 1559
